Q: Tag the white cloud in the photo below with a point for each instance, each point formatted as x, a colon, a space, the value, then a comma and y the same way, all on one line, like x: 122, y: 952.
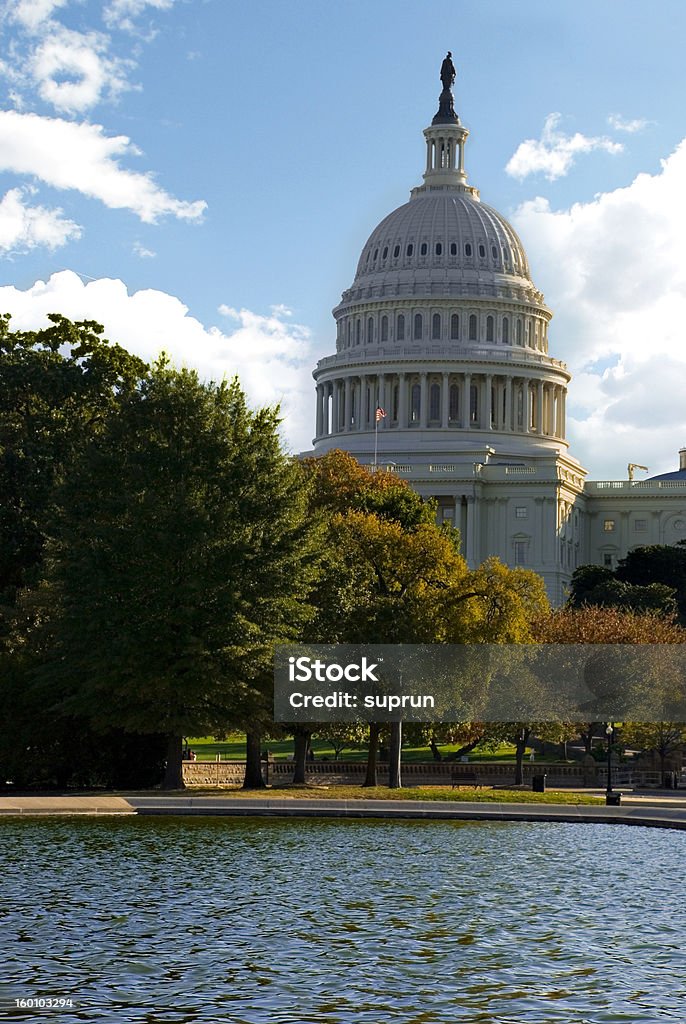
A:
x: 622, y: 124
x: 271, y: 357
x: 33, y: 13
x: 72, y: 72
x: 554, y: 153
x: 140, y: 250
x: 121, y: 13
x: 81, y: 157
x: 24, y: 227
x: 614, y: 272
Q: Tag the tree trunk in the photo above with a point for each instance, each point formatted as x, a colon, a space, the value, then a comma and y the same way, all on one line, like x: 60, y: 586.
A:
x: 173, y: 773
x: 435, y: 752
x: 520, y: 748
x: 253, y: 762
x: 371, y: 777
x: 394, y: 776
x: 301, y: 744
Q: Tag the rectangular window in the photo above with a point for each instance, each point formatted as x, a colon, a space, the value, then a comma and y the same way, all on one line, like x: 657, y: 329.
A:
x: 607, y: 561
x: 520, y: 552
x: 521, y: 512
x: 608, y: 525
x: 641, y: 525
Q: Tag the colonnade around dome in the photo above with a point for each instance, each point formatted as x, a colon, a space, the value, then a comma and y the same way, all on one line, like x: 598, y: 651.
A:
x: 424, y: 400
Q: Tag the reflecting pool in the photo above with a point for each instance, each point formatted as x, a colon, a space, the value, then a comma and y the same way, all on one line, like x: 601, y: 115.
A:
x: 268, y: 921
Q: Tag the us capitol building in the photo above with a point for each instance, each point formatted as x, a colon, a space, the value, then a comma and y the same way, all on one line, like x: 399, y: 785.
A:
x: 444, y: 332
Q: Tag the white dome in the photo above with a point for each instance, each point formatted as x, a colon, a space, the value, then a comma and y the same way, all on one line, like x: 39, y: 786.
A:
x: 449, y: 237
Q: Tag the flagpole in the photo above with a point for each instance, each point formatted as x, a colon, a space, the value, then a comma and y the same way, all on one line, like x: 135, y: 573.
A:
x: 376, y: 438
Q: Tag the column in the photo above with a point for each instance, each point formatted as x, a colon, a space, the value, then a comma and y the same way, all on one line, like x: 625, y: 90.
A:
x: 445, y: 401
x: 528, y: 406
x: 539, y: 408
x: 563, y: 412
x: 423, y: 390
x: 467, y: 402
x: 320, y: 410
x: 381, y: 401
x: 348, y: 404
x: 402, y: 401
x: 488, y: 404
x: 508, y: 403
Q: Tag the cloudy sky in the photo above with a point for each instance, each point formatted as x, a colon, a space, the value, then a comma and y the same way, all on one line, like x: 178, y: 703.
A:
x: 200, y: 176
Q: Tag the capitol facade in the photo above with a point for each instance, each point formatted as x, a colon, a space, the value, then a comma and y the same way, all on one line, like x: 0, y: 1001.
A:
x: 442, y: 374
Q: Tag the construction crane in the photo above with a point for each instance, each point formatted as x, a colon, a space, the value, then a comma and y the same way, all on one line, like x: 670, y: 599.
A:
x: 632, y: 466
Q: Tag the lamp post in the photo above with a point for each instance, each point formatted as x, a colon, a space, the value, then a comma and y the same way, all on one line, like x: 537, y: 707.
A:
x: 611, y: 798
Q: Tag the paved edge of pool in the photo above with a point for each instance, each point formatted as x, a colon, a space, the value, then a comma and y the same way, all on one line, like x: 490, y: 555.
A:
x: 409, y: 810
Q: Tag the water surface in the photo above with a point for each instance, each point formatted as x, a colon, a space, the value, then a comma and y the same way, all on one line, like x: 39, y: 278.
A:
x: 253, y: 921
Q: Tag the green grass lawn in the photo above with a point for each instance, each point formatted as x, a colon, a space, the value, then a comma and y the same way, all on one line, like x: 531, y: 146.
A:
x: 233, y: 749
x: 439, y: 793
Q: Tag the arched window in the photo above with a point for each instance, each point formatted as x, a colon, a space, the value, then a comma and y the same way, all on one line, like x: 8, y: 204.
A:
x: 519, y: 331
x: 473, y: 403
x: 376, y: 253
x: 435, y: 402
x: 489, y: 328
x: 494, y: 407
x: 506, y: 331
x: 467, y: 249
x: 472, y: 327
x: 520, y: 407
x: 482, y: 252
x: 384, y: 328
x: 423, y: 250
x: 436, y: 327
x: 454, y: 408
x: 350, y: 327
x: 396, y: 252
x: 400, y: 333
x: 439, y: 249
x: 384, y: 254
x: 453, y: 248
x: 527, y: 332
x: 396, y: 399
x: 370, y: 331
x: 494, y: 252
x: 418, y: 327
x: 415, y: 403
x: 358, y: 331
x: 410, y: 249
x: 454, y: 327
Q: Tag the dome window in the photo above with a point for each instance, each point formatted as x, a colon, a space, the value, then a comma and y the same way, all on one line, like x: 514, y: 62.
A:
x: 384, y: 328
x: 454, y: 327
x: 358, y: 332
x: 467, y: 249
x: 418, y: 327
x: 473, y: 403
x: 366, y: 262
x: 506, y: 331
x: 400, y: 334
x: 410, y: 249
x: 396, y: 252
x: 518, y: 330
x: 489, y: 328
x: 435, y: 402
x: 506, y: 255
x: 370, y: 331
x: 384, y: 254
x: 439, y: 249
x: 454, y: 411
x: 376, y: 253
x: 482, y: 252
x: 424, y: 249
x: 494, y: 252
x: 436, y: 327
x: 472, y: 327
x: 453, y: 248
x: 415, y: 403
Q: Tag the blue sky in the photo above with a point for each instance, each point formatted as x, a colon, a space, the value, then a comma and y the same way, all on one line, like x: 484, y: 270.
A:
x: 211, y: 170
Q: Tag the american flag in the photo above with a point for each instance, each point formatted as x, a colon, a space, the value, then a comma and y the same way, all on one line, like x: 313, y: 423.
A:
x: 380, y: 414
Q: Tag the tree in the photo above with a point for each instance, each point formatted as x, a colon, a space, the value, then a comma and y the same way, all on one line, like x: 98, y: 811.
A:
x: 649, y: 579
x: 181, y: 553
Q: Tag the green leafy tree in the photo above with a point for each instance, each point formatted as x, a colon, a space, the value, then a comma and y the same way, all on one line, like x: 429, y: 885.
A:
x: 181, y: 553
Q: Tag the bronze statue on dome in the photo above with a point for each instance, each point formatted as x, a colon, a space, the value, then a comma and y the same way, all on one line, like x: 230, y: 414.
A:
x: 448, y: 72
x: 446, y: 111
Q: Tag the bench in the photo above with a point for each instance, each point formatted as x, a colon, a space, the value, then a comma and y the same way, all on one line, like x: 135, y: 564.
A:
x: 465, y: 779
